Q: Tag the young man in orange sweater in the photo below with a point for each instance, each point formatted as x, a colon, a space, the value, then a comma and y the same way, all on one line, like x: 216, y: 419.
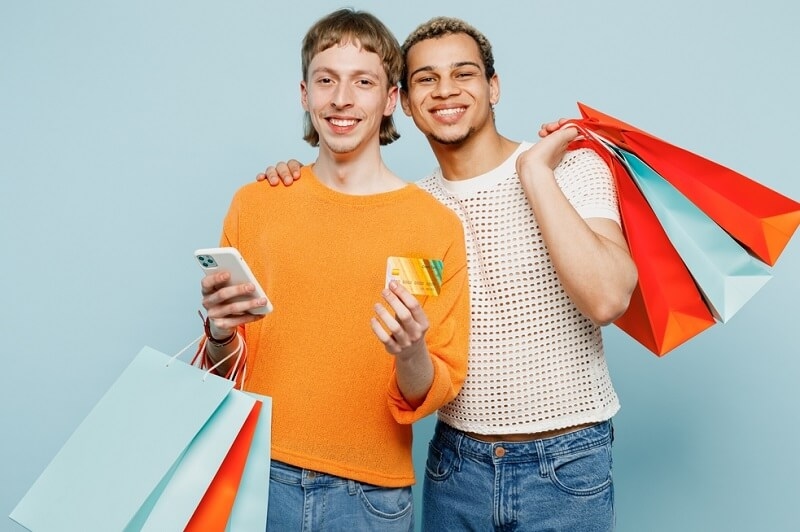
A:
x: 349, y: 364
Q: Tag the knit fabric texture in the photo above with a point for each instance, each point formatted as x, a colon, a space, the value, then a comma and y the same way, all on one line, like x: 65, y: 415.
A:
x: 536, y: 362
x: 321, y: 257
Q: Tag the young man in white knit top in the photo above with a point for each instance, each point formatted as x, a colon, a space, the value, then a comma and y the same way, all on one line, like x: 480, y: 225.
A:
x: 526, y: 444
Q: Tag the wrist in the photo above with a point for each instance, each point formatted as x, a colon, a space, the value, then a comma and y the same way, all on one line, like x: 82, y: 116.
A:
x: 534, y: 170
x: 217, y: 336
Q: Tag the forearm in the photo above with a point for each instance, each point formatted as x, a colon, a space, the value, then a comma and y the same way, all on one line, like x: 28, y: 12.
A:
x: 590, y: 257
x: 414, y: 376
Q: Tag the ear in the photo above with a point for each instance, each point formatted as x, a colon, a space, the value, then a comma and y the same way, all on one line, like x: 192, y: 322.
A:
x: 494, y: 89
x: 404, y: 103
x: 391, y: 101
x: 304, y: 95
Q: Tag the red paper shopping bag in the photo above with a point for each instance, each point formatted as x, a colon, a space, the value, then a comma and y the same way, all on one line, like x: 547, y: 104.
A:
x: 761, y: 219
x: 666, y: 308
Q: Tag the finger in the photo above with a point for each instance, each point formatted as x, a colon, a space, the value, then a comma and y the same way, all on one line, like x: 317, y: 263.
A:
x: 386, y: 339
x: 567, y: 133
x: 295, y: 166
x: 272, y: 176
x: 211, y: 283
x: 410, y: 304
x: 392, y: 298
x: 377, y: 327
x: 234, y: 310
x: 285, y: 174
x: 232, y: 322
x: 400, y: 329
x: 261, y: 177
x: 223, y: 296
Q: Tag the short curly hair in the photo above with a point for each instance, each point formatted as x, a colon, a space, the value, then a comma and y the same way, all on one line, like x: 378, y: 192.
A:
x: 440, y: 27
x: 361, y: 28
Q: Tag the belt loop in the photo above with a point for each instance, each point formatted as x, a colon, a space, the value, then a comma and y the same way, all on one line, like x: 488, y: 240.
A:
x: 352, y: 487
x: 542, y: 454
x: 459, y: 438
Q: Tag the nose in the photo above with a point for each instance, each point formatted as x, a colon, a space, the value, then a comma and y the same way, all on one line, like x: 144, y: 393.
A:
x: 342, y: 96
x: 445, y: 87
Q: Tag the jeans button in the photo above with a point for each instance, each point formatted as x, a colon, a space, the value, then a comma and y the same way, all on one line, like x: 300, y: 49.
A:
x: 499, y: 452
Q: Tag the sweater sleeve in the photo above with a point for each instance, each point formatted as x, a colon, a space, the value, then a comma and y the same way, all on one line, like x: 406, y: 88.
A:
x: 447, y: 339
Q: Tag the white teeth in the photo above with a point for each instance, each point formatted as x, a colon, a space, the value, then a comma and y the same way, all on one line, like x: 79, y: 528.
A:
x: 449, y: 112
x: 342, y: 123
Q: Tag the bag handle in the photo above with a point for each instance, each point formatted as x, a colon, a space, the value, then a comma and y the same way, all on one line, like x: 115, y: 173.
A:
x: 238, y: 370
x: 591, y: 136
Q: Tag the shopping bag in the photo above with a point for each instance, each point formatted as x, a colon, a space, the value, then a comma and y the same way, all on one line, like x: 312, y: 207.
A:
x: 213, y: 511
x: 215, y: 458
x: 130, y: 446
x: 727, y: 275
x: 250, y: 506
x: 666, y: 308
x: 758, y: 217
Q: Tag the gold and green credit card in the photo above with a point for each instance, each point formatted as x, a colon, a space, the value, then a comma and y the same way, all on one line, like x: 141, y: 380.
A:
x: 418, y: 276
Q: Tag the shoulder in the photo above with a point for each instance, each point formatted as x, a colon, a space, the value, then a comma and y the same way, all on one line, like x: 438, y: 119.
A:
x: 252, y: 189
x: 582, y: 160
x: 426, y: 198
x: 427, y: 181
x: 583, y: 165
x: 431, y: 209
x: 261, y: 190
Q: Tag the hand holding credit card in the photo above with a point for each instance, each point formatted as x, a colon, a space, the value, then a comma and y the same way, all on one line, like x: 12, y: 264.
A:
x: 418, y: 276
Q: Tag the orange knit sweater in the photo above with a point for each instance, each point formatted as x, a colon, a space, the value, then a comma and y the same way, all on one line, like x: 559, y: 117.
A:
x: 321, y: 257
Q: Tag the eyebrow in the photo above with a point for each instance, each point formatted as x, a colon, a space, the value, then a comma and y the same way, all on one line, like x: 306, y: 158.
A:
x: 453, y: 66
x: 326, y: 70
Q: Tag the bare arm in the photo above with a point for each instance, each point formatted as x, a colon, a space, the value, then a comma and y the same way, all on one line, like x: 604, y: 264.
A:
x: 590, y: 256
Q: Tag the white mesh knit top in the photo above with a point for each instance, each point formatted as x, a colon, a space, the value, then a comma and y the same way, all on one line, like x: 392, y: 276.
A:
x: 536, y: 363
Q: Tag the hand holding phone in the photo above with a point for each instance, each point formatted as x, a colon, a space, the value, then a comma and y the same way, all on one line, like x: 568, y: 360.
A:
x: 228, y: 259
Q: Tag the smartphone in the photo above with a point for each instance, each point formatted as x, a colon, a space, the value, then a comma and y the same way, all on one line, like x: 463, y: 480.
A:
x: 213, y: 260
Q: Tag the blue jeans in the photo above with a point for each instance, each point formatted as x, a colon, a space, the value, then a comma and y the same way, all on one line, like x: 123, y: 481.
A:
x: 305, y: 500
x: 560, y: 483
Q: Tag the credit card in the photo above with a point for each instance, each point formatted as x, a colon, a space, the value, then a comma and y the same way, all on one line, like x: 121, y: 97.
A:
x: 418, y: 276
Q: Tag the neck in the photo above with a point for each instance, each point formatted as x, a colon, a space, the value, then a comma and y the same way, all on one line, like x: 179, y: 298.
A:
x: 475, y: 156
x: 355, y: 173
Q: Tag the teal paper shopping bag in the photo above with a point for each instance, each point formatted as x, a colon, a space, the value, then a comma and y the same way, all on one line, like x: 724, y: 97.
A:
x: 129, y: 443
x: 728, y: 276
x: 172, y: 504
x: 251, y: 503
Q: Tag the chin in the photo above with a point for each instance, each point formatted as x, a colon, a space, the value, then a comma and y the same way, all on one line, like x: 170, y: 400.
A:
x: 452, y: 140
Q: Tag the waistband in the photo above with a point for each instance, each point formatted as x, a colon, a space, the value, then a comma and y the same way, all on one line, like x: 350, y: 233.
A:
x: 290, y: 474
x: 601, y: 433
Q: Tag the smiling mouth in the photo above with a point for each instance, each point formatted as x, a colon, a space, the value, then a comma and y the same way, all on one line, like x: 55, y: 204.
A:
x: 450, y: 112
x: 341, y: 122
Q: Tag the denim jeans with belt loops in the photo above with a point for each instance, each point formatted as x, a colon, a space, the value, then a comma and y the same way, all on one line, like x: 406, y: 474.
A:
x: 561, y: 483
x: 301, y: 500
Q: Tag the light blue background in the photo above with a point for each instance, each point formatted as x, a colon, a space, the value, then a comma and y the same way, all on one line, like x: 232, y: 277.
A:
x: 125, y: 127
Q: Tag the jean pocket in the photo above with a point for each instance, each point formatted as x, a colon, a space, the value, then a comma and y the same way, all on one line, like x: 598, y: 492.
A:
x: 584, y: 471
x: 385, y: 503
x: 440, y: 462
